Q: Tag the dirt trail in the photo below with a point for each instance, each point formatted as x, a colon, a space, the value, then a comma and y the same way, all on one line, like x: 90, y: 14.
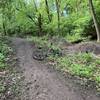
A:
x: 42, y: 82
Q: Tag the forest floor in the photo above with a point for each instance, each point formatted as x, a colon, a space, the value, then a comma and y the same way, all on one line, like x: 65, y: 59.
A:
x: 42, y: 82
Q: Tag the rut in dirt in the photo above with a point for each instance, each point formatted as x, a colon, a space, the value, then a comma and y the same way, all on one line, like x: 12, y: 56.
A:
x: 42, y: 82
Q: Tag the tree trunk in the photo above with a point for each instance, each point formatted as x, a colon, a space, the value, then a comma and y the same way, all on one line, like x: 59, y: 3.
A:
x: 58, y: 13
x: 4, y: 28
x: 47, y: 8
x: 39, y: 20
x: 40, y: 24
x: 4, y: 23
x: 95, y: 20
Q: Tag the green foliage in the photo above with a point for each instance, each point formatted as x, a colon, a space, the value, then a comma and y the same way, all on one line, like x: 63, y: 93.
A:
x: 82, y: 64
x: 1, y: 57
x: 4, y: 51
x: 40, y: 41
x: 21, y: 17
x: 2, y: 88
x: 44, y: 42
x: 74, y: 37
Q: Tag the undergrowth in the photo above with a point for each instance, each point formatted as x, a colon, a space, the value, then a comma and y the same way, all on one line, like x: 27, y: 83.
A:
x: 45, y: 43
x: 4, y: 52
x: 82, y: 65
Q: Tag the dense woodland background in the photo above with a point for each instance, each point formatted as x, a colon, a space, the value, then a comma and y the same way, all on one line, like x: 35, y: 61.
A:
x: 68, y: 18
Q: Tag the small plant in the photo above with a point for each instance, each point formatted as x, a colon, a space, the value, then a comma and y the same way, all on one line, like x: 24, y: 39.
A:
x: 2, y: 57
x: 2, y: 88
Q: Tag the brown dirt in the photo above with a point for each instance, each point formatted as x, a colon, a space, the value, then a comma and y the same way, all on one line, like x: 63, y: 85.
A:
x: 43, y: 82
x: 88, y: 47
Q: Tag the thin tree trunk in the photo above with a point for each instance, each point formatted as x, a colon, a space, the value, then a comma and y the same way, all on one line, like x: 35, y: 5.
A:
x: 58, y: 13
x: 47, y: 8
x: 39, y: 19
x: 95, y: 20
x: 4, y: 28
x: 35, y: 6
x: 3, y: 23
x: 40, y: 24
